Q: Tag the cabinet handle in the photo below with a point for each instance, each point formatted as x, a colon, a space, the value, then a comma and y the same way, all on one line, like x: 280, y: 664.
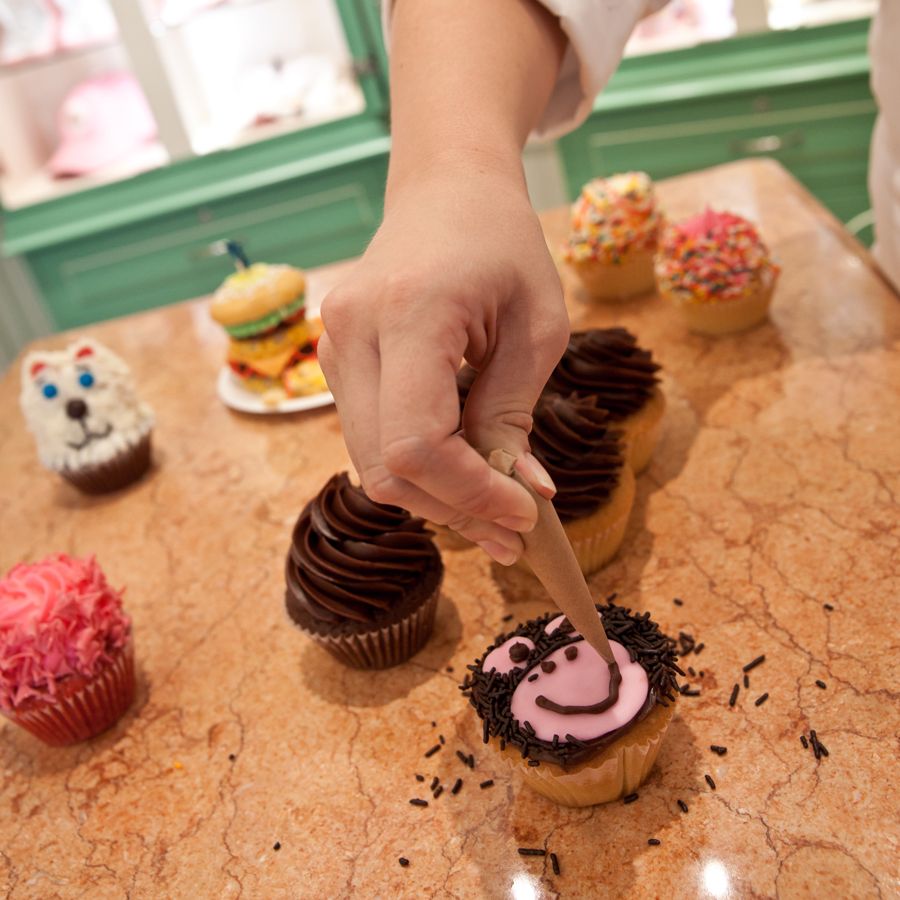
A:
x: 769, y: 143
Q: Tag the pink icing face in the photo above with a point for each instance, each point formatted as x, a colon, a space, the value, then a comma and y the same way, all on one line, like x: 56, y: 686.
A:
x: 499, y: 658
x: 579, y: 681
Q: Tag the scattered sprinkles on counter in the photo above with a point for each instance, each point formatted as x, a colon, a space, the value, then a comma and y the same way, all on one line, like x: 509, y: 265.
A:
x: 612, y: 215
x: 711, y: 257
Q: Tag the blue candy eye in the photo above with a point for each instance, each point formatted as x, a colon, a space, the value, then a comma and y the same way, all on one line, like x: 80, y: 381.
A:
x: 49, y: 391
x: 85, y: 379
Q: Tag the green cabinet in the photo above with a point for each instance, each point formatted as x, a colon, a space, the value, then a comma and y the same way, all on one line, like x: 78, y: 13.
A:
x: 801, y: 97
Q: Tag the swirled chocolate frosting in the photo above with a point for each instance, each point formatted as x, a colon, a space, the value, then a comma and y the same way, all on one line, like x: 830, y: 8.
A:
x: 356, y: 561
x: 581, y: 450
x: 608, y: 363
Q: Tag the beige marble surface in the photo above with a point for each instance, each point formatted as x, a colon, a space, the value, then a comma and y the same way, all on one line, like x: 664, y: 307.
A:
x: 774, y: 490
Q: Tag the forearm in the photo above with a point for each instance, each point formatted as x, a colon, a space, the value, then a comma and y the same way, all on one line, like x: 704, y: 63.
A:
x: 469, y: 80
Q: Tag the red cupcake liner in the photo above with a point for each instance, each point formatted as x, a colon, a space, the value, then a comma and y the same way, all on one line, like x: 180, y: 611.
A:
x: 83, y: 707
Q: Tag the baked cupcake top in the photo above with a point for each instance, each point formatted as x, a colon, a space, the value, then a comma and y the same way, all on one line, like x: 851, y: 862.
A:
x: 353, y: 560
x: 712, y: 257
x: 543, y: 690
x: 611, y: 216
x: 608, y: 363
x: 58, y: 617
x: 577, y: 444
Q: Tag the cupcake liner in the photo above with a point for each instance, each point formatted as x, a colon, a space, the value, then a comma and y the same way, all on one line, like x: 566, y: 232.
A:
x: 118, y: 472
x: 728, y: 316
x: 83, y: 707
x: 617, y: 771
x: 386, y: 646
x: 642, y: 431
x: 617, y: 281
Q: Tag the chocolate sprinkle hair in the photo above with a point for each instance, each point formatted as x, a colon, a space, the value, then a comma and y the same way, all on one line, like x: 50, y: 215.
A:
x: 490, y: 693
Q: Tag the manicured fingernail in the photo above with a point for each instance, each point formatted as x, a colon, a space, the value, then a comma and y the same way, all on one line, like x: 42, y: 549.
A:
x: 498, y: 552
x: 516, y: 523
x: 536, y: 475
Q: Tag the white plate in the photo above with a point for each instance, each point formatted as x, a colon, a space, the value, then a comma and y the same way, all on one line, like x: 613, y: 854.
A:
x: 233, y: 395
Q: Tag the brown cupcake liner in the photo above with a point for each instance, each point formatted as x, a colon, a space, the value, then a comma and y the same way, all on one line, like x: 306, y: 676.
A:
x: 84, y: 707
x: 114, y: 474
x: 383, y: 647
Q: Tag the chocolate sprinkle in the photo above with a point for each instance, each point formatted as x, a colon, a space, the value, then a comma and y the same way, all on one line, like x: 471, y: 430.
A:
x: 432, y: 751
x: 231, y: 757
x: 699, y: 648
x: 678, y: 602
x: 417, y: 802
x: 821, y: 684
x: 828, y: 606
x: 441, y: 739
x: 534, y: 677
x: 403, y: 861
x: 470, y: 761
x: 691, y: 672
x: 462, y: 756
x: 534, y: 762
x: 746, y: 681
x: 804, y: 741
x: 507, y: 618
x: 276, y: 845
x: 486, y: 784
x: 571, y: 652
x: 438, y: 791
x: 734, y: 695
x: 755, y: 662
x: 654, y: 842
x: 630, y: 798
x: 760, y: 699
x: 456, y: 786
x: 434, y: 783
x: 554, y: 861
x: 532, y: 851
x: 683, y: 806
x: 420, y: 777
x: 716, y: 748
x: 687, y: 691
x: 710, y: 782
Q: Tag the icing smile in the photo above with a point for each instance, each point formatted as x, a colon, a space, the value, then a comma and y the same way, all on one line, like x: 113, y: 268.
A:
x: 90, y: 436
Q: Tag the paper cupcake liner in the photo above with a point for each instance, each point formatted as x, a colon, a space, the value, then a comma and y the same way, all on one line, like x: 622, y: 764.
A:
x: 83, y: 707
x: 642, y: 431
x: 617, y: 281
x: 617, y: 771
x: 596, y: 551
x: 114, y: 474
x: 384, y: 647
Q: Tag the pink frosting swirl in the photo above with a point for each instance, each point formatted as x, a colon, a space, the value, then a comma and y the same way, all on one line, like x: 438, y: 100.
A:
x: 58, y: 617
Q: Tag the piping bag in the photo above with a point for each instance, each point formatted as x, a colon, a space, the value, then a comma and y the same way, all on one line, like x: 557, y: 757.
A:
x: 550, y: 555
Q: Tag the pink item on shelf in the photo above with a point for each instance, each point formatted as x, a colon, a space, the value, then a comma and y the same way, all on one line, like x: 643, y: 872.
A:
x: 102, y: 121
x: 59, y: 619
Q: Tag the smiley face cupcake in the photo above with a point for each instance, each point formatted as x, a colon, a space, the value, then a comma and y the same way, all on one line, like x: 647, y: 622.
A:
x: 82, y: 408
x: 578, y: 730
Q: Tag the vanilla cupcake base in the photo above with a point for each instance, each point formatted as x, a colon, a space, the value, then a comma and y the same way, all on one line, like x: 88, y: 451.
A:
x: 642, y: 431
x: 615, y: 772
x: 617, y: 281
x: 717, y: 317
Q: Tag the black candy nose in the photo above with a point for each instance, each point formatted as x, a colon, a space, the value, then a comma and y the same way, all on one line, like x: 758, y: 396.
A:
x: 76, y: 408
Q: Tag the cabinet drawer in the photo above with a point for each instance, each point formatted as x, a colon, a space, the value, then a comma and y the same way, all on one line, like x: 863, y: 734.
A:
x: 167, y: 259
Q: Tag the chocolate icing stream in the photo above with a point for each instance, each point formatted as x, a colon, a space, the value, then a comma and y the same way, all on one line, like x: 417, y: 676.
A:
x: 352, y: 558
x: 608, y: 363
x: 574, y: 439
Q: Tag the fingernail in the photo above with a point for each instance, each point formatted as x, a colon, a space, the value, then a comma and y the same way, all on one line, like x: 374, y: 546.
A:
x: 536, y: 475
x: 516, y: 523
x: 498, y: 552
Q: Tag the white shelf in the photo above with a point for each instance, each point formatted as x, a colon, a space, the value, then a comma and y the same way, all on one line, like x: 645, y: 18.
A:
x: 56, y: 58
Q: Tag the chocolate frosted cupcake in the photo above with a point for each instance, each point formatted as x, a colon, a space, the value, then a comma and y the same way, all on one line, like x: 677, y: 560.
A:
x: 584, y: 454
x: 362, y: 578
x: 580, y: 731
x: 608, y: 363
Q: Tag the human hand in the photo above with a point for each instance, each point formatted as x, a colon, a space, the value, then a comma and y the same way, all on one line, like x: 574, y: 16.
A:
x: 459, y: 268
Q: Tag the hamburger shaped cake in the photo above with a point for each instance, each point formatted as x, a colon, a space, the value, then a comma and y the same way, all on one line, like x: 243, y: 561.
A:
x: 607, y: 363
x: 578, y: 730
x: 584, y: 453
x: 717, y: 271
x: 272, y: 345
x: 363, y: 578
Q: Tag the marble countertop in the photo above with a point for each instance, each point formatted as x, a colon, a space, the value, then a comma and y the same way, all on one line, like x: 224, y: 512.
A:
x: 253, y: 765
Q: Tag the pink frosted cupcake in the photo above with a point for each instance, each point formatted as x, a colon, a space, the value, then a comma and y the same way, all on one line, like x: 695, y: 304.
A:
x: 66, y: 651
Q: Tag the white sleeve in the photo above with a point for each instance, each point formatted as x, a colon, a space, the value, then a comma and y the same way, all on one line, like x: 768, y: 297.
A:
x: 597, y: 31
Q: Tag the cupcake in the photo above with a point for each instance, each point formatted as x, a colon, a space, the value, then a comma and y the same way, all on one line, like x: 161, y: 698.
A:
x: 608, y: 364
x: 89, y: 424
x: 272, y: 344
x: 584, y: 454
x: 66, y: 651
x: 717, y: 271
x: 614, y: 230
x: 579, y: 731
x: 362, y: 578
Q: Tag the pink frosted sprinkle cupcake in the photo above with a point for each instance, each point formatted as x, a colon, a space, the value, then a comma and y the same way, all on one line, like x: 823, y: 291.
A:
x: 66, y: 652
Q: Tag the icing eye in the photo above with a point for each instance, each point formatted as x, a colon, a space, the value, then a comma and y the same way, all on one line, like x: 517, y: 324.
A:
x: 49, y: 391
x: 86, y: 379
